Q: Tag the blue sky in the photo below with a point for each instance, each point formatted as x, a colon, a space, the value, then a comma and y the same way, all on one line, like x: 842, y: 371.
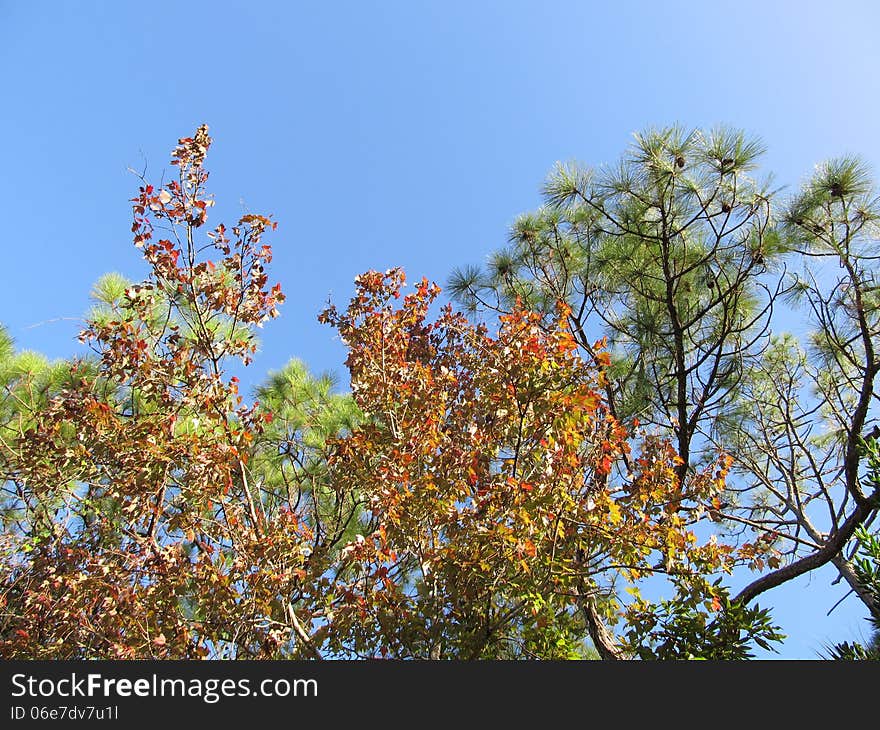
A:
x: 392, y: 133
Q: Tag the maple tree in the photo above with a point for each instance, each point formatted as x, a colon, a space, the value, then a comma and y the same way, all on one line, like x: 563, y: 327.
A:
x: 495, y: 525
x: 127, y: 505
x: 463, y: 502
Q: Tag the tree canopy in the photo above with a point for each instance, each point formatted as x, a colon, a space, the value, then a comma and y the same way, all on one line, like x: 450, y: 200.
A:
x: 570, y: 467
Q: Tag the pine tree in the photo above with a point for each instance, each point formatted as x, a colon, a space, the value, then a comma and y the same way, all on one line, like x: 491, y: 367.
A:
x: 679, y: 258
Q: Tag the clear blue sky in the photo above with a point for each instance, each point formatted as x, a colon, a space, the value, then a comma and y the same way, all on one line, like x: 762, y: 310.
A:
x: 391, y: 133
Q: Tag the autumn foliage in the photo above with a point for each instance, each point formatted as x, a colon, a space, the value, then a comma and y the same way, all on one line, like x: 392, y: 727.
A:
x: 482, y: 503
x: 132, y: 508
x: 499, y: 521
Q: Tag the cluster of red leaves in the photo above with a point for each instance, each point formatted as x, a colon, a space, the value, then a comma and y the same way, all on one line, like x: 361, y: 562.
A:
x: 486, y: 464
x: 138, y: 534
